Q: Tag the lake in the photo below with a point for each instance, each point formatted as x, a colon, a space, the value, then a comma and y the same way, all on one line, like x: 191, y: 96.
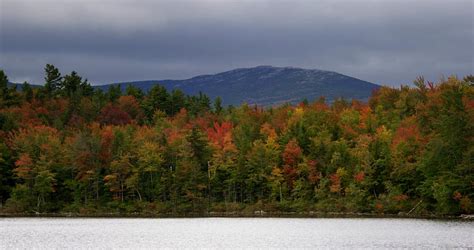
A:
x: 234, y: 233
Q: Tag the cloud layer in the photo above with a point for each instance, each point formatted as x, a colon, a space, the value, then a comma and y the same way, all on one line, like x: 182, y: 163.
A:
x: 386, y: 42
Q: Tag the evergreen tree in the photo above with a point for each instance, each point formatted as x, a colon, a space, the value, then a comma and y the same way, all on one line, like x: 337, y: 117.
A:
x: 218, y: 105
x: 27, y: 91
x: 134, y: 91
x: 52, y: 80
x: 3, y: 88
x: 177, y: 101
x: 114, y: 92
x: 157, y: 98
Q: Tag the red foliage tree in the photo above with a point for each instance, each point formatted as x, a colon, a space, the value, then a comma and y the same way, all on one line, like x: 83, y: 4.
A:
x: 220, y: 135
x: 314, y: 175
x: 408, y: 131
x: 291, y: 154
x: 23, y: 166
x: 113, y: 115
x: 107, y: 138
x: 359, y: 177
x: 291, y: 157
x: 130, y: 105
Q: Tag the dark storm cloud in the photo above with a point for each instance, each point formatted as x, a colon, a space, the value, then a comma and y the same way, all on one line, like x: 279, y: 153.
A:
x: 388, y: 42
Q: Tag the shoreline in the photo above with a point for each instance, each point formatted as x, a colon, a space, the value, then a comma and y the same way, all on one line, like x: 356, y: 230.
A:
x: 260, y: 214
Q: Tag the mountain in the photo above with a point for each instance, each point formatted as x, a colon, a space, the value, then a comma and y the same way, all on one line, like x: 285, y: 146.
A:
x: 267, y: 85
x: 262, y: 85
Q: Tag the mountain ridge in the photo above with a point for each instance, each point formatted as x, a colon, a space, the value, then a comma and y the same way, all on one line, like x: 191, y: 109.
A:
x: 265, y: 85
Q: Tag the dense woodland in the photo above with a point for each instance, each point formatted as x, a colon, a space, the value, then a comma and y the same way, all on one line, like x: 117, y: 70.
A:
x: 67, y: 147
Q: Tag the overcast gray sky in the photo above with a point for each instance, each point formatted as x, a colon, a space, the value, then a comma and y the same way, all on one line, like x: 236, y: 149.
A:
x: 382, y: 41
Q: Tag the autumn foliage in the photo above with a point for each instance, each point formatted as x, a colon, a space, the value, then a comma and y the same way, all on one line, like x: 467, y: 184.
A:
x: 70, y: 148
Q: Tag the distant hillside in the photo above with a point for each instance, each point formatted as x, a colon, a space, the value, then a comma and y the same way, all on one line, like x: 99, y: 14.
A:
x: 19, y: 85
x: 267, y: 85
x: 263, y: 85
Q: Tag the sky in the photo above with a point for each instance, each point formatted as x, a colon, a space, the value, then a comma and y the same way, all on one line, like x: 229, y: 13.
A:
x: 388, y: 42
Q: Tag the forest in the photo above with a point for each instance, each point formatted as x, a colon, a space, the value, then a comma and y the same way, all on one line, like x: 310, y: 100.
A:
x: 66, y: 147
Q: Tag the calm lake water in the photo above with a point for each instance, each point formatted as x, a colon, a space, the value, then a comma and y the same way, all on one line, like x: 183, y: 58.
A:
x: 234, y: 233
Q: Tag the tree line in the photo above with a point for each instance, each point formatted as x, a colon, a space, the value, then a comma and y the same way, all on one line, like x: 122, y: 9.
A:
x: 68, y: 147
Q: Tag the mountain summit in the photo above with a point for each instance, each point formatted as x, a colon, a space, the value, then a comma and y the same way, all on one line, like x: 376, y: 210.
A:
x: 268, y: 85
